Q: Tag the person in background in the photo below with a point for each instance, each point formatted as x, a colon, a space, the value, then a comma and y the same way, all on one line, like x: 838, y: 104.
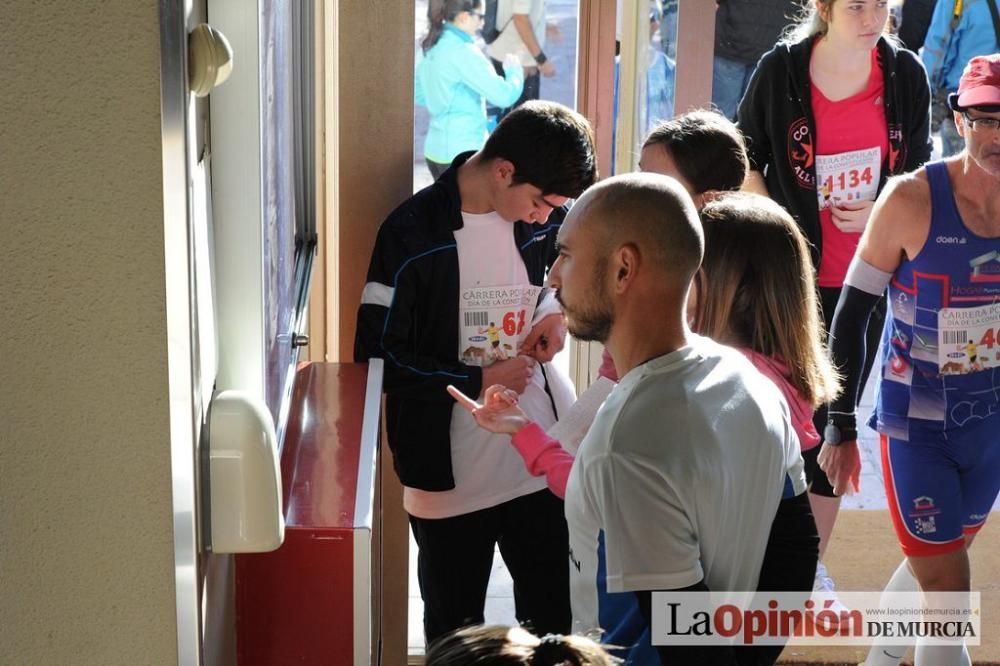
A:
x: 528, y: 19
x: 668, y: 29
x: 513, y: 646
x: 454, y: 80
x: 914, y: 21
x: 830, y: 113
x: 660, y: 75
x: 744, y: 31
x: 959, y: 30
x: 755, y: 292
x: 932, y: 241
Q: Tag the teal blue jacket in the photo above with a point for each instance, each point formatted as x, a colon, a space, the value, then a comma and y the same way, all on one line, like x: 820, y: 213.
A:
x: 454, y: 80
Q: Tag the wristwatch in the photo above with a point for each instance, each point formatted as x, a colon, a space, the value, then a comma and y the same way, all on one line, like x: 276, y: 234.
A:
x: 835, y: 435
x: 541, y: 58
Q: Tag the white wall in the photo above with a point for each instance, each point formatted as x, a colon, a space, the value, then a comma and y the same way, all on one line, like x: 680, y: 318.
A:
x: 86, y: 543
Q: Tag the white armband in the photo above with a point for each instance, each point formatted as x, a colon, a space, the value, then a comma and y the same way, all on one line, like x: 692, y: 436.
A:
x: 862, y: 275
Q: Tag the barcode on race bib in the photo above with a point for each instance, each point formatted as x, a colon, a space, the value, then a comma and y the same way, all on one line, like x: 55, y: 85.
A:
x: 477, y: 318
x: 954, y: 337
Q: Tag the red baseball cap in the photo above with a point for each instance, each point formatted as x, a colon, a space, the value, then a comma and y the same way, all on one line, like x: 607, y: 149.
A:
x: 979, y: 85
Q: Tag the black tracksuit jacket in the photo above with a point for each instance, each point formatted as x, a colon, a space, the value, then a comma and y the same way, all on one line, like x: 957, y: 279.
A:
x: 409, y: 317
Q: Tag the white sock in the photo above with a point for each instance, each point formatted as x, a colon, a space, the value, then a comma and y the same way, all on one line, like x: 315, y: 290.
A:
x: 932, y: 655
x: 884, y: 654
x: 887, y: 654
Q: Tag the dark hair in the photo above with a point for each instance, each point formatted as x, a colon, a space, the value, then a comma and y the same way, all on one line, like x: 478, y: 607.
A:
x: 550, y: 146
x: 506, y: 646
x: 707, y: 148
x: 756, y: 289
x: 441, y: 11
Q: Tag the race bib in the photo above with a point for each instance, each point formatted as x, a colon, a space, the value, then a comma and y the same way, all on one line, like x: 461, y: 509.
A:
x: 493, y: 321
x: 968, y: 339
x: 847, y: 177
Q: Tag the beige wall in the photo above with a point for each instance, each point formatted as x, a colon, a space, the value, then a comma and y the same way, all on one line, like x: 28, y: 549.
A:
x: 86, y: 544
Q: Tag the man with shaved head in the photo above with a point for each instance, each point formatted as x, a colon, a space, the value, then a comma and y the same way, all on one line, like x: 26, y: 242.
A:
x: 681, y: 472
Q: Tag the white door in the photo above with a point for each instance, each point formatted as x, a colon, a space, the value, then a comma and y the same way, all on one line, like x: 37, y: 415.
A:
x: 190, y: 322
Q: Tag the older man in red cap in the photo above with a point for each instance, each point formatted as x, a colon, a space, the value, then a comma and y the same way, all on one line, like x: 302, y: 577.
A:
x: 934, y: 241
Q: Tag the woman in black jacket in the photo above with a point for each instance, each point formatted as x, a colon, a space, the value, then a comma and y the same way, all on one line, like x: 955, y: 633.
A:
x: 829, y: 114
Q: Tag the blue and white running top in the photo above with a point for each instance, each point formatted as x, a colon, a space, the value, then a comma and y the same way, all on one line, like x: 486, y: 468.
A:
x: 679, y: 478
x: 941, y: 341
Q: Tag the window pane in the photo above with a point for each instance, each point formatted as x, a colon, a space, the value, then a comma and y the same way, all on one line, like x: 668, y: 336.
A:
x: 647, y: 55
x: 288, y: 193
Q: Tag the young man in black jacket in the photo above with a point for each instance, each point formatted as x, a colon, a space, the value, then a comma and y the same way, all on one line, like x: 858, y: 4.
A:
x: 451, y: 295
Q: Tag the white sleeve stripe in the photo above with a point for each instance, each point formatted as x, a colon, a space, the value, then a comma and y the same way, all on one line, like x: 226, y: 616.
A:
x: 376, y: 293
x: 862, y: 275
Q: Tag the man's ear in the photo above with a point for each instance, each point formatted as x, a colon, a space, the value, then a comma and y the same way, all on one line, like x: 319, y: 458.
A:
x: 626, y: 260
x: 504, y: 170
x: 959, y: 123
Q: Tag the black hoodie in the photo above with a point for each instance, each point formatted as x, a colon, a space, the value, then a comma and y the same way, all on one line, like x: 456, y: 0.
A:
x: 776, y: 117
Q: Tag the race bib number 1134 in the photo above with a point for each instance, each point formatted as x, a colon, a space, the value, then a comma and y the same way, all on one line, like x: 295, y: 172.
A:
x: 846, y: 177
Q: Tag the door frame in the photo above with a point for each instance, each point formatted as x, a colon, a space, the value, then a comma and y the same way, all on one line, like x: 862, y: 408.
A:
x: 184, y: 400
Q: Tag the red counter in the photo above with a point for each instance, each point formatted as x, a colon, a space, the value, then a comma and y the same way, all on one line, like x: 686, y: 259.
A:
x: 311, y: 601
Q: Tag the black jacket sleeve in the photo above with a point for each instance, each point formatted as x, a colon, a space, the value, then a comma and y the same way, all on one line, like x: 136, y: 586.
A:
x: 389, y: 326
x: 918, y: 123
x: 752, y: 115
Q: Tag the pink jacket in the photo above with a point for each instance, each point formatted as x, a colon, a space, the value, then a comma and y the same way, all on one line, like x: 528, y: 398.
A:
x: 544, y: 455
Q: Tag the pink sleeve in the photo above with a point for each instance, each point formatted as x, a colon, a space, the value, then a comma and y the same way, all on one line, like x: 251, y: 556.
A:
x: 544, y: 455
x: 607, y: 368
